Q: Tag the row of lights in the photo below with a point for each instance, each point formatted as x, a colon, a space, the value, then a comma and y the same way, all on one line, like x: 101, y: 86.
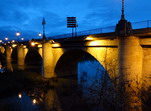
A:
x: 6, y: 39
x: 17, y: 34
x: 33, y: 43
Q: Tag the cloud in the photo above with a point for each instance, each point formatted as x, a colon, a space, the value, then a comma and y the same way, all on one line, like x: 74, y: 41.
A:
x: 100, y: 17
x: 138, y: 10
x: 26, y: 15
x: 10, y: 32
x: 27, y: 19
x: 100, y: 14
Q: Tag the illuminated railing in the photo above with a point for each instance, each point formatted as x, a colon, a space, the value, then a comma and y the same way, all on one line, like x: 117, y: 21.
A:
x: 135, y: 25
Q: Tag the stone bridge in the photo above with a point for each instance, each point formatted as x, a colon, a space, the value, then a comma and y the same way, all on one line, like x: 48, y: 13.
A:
x: 116, y: 54
x: 128, y: 58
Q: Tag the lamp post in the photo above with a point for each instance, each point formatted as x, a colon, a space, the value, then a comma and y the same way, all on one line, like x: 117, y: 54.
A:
x: 22, y: 38
x: 1, y: 41
x: 39, y: 34
x: 6, y: 39
x: 13, y: 41
x: 18, y: 34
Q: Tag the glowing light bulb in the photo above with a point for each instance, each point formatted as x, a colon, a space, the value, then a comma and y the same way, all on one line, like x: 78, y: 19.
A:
x: 14, y: 45
x: 13, y: 41
x: 17, y: 33
x: 34, y: 101
x: 20, y: 95
x: 39, y: 34
x: 32, y: 43
x: 6, y: 38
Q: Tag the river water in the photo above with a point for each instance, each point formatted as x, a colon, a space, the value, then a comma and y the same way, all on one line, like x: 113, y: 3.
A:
x: 81, y: 92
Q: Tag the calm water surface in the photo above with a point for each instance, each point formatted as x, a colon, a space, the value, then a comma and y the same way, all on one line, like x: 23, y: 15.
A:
x: 77, y: 93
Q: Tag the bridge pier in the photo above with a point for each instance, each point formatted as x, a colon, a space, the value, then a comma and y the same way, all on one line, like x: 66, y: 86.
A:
x: 8, y: 58
x: 8, y: 53
x: 48, y: 65
x: 2, y: 49
x: 130, y: 72
x: 21, y: 53
x: 40, y: 51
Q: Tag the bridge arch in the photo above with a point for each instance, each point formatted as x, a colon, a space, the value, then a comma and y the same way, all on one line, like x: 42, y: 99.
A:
x: 33, y: 57
x: 2, y: 55
x: 87, y: 70
x: 106, y: 56
x: 70, y: 60
x: 14, y: 55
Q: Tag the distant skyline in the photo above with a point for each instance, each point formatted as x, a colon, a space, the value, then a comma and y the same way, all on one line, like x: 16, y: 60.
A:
x: 26, y: 16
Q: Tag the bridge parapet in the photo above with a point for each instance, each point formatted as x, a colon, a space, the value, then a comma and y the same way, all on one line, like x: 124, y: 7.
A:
x: 145, y: 41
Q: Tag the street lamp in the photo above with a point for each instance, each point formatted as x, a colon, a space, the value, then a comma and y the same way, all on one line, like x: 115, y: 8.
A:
x: 6, y: 39
x: 18, y: 34
x: 1, y: 41
x: 13, y: 41
x: 22, y: 38
x: 32, y: 43
x: 39, y: 34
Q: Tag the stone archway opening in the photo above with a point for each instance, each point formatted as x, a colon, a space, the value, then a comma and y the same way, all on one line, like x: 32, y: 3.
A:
x: 68, y: 62
x: 74, y: 62
x: 33, y: 57
x: 2, y: 59
x: 92, y: 79
x: 82, y: 65
x: 14, y: 55
x: 33, y: 61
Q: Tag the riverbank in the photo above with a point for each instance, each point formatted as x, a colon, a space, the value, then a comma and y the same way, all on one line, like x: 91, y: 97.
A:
x: 57, y: 92
x: 12, y: 82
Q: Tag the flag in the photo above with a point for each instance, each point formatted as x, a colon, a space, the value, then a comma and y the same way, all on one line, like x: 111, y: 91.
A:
x: 43, y: 21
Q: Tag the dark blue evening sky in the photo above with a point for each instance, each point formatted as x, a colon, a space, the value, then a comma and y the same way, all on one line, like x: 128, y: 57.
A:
x: 26, y: 15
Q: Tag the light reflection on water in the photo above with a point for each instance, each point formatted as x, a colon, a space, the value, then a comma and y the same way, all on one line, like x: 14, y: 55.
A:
x: 33, y: 100
x: 16, y: 103
x: 67, y: 90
